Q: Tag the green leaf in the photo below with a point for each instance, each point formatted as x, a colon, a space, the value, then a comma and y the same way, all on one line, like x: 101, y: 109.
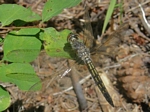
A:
x: 22, y: 45
x: 109, y: 13
x: 21, y: 74
x: 27, y: 31
x: 11, y: 12
x: 54, y: 7
x: 55, y: 43
x: 4, y: 99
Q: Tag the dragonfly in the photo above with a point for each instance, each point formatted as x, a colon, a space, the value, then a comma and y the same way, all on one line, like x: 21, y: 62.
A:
x: 106, y: 47
x: 84, y: 54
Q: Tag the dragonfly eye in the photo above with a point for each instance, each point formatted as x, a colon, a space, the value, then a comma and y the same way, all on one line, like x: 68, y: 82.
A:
x: 72, y: 36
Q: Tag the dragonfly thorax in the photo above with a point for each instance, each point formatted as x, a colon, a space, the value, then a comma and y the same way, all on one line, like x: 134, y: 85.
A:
x: 82, y: 51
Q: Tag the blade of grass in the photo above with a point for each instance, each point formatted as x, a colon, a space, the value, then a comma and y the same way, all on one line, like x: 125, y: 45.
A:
x: 109, y: 13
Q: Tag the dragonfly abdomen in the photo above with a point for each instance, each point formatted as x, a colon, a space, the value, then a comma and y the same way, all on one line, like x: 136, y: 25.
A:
x: 99, y: 83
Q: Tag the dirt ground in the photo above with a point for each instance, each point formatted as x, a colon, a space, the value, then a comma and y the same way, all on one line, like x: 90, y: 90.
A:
x: 123, y: 61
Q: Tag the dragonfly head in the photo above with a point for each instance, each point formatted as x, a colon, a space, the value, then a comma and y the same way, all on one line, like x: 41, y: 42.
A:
x: 71, y: 37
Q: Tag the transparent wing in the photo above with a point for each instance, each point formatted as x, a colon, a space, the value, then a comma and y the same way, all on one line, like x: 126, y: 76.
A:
x: 88, y: 32
x: 88, y: 37
x: 108, y: 44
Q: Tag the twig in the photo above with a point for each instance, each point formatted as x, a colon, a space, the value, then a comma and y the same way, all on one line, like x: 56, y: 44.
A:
x: 144, y: 20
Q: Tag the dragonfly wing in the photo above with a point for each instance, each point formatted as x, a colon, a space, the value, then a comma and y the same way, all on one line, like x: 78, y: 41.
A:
x: 88, y: 32
x: 109, y: 44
